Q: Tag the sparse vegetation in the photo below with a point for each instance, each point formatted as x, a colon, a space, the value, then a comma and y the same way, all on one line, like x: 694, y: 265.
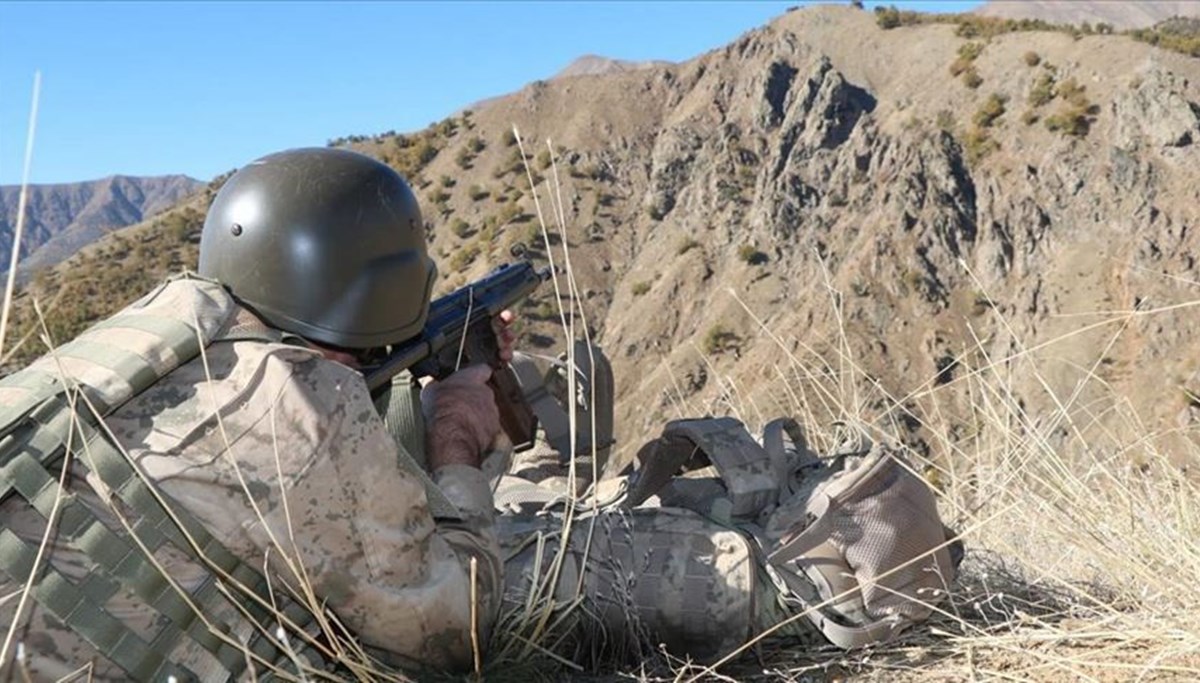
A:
x: 1029, y: 117
x: 991, y: 109
x: 1180, y: 34
x: 460, y: 228
x: 977, y: 145
x: 945, y: 120
x: 1042, y: 90
x: 1031, y: 58
x: 971, y: 78
x: 967, y: 54
x: 508, y: 138
x: 478, y: 193
x: 640, y: 288
x: 750, y: 254
x: 685, y: 245
x: 719, y: 339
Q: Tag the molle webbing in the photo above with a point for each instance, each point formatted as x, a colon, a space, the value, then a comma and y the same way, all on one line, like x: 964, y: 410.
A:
x: 57, y: 404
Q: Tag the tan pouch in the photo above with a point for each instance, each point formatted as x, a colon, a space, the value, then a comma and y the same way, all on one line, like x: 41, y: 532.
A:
x: 871, y: 541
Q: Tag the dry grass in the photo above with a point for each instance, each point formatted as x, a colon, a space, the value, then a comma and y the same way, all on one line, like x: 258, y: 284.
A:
x: 1082, y: 530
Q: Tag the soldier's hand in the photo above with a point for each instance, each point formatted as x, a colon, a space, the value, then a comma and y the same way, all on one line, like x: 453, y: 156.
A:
x: 465, y: 420
x: 505, y: 337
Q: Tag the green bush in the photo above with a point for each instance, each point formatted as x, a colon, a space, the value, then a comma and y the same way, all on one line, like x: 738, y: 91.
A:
x: 478, y: 192
x: 447, y: 181
x: 508, y: 138
x: 640, y: 288
x: 543, y: 160
x: 990, y: 110
x: 476, y: 144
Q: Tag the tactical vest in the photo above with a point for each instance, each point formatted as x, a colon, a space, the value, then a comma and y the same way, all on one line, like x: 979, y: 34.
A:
x: 52, y: 417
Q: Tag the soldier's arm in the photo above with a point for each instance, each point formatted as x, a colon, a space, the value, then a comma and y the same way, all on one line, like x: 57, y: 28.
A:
x: 397, y: 578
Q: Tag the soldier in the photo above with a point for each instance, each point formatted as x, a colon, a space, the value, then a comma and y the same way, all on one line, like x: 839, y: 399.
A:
x: 268, y: 447
x: 243, y: 506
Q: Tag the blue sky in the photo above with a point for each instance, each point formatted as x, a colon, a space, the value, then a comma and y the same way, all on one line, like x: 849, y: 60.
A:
x: 144, y: 88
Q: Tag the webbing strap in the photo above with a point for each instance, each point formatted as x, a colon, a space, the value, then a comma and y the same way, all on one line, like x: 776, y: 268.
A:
x: 69, y: 604
x: 400, y: 406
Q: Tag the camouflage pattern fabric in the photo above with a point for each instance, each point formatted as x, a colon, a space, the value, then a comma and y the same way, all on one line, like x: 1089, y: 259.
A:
x: 234, y: 439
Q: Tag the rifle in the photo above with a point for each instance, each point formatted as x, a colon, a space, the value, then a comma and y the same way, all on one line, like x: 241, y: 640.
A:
x: 458, y: 332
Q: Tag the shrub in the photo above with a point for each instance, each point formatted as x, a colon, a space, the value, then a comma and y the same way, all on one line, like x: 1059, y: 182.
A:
x: 1032, y: 58
x: 508, y: 138
x: 1042, y: 90
x: 887, y: 17
x: 463, y: 158
x: 978, y: 144
x: 751, y: 255
x: 476, y: 144
x: 447, y: 181
x: 543, y: 160
x: 478, y: 192
x: 990, y: 110
x: 1029, y: 118
x: 640, y: 288
x: 685, y: 245
x: 464, y: 257
x: 1071, y: 120
x: 945, y: 120
x: 971, y: 78
x: 970, y: 51
x: 460, y: 228
x: 719, y: 338
x: 1071, y: 91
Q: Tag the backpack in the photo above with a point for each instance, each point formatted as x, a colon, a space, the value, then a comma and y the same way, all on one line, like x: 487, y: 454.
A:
x: 51, y: 414
x: 853, y: 539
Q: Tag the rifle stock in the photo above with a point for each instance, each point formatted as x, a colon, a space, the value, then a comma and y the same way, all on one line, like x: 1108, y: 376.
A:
x: 458, y: 332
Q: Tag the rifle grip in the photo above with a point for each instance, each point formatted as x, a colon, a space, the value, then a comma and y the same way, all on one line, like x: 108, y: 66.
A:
x: 516, y: 416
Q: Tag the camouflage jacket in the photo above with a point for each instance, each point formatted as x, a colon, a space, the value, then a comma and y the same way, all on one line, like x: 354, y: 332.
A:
x: 281, y: 455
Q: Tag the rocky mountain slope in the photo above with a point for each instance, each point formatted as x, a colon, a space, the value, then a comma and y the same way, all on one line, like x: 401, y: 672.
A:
x: 908, y: 202
x: 63, y: 217
x: 1119, y: 15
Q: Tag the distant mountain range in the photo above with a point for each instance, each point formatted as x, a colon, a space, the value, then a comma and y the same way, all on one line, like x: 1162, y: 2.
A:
x: 62, y: 218
x: 1121, y: 15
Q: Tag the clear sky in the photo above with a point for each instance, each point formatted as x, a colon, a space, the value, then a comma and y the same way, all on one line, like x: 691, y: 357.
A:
x: 143, y: 88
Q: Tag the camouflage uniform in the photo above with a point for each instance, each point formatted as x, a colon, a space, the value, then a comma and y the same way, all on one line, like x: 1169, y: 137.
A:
x: 278, y: 421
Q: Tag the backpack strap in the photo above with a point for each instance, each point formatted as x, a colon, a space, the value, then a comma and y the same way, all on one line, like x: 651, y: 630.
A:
x: 399, y: 404
x: 742, y: 465
x: 60, y: 402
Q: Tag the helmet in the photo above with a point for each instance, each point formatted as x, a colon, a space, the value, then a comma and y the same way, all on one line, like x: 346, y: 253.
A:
x: 323, y: 243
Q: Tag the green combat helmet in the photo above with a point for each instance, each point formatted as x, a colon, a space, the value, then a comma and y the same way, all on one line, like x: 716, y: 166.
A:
x: 323, y: 243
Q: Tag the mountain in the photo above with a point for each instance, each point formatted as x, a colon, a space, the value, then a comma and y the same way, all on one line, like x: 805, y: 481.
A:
x: 594, y: 65
x: 62, y: 218
x: 1120, y: 15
